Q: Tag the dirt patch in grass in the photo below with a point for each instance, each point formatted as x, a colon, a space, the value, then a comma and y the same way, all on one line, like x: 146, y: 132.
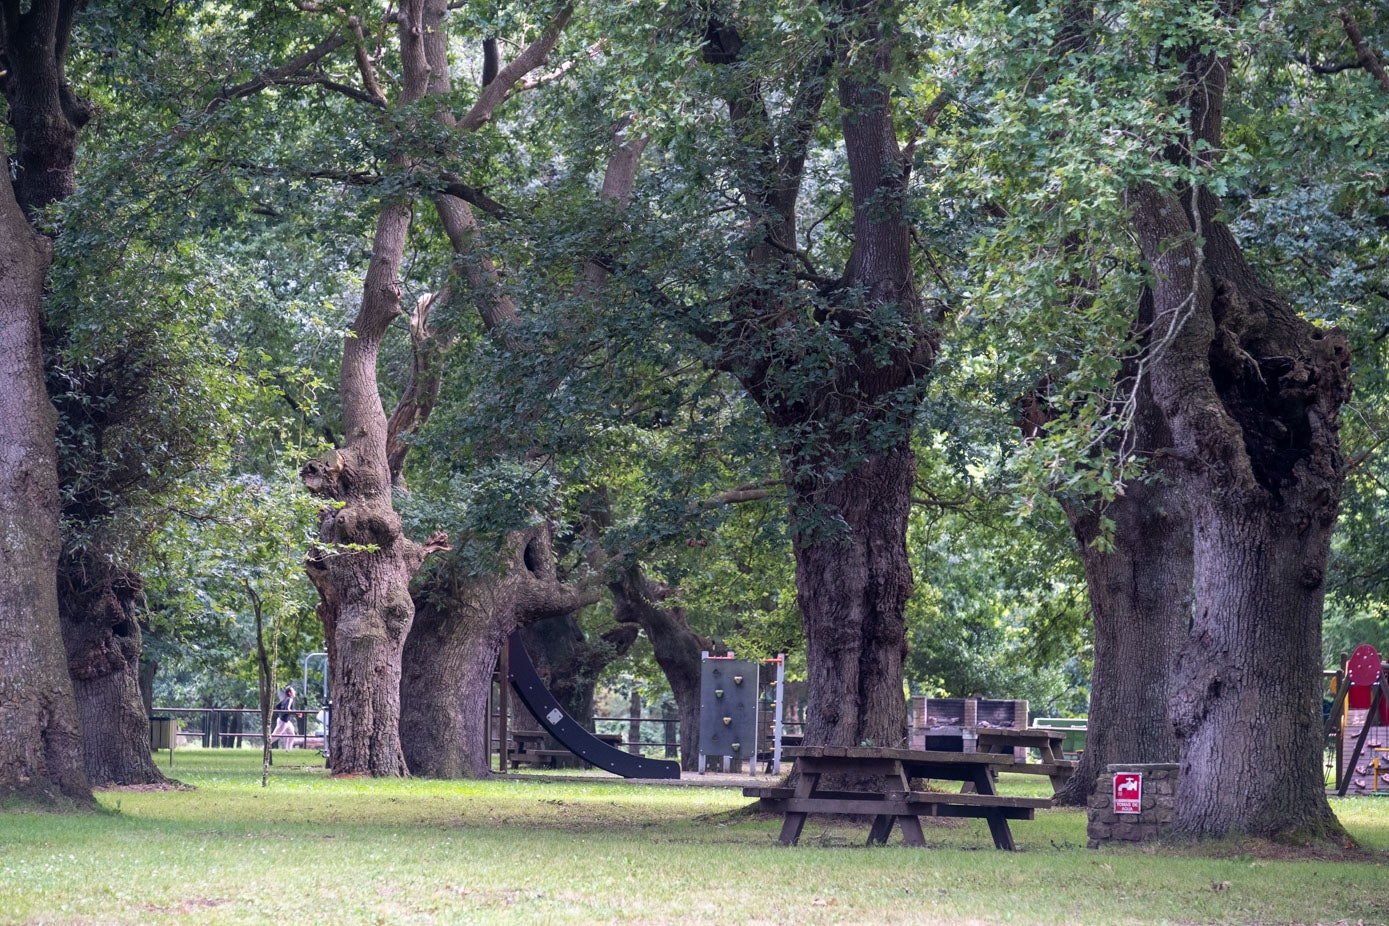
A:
x: 186, y: 906
x: 1266, y: 850
x: 161, y: 786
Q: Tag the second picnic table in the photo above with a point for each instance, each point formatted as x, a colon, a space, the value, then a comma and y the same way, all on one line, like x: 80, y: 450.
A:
x: 887, y: 795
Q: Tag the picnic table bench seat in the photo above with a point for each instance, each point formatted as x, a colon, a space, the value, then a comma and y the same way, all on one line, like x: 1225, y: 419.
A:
x: 784, y: 797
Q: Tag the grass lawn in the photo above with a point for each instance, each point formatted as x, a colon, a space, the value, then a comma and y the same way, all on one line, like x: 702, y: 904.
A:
x: 310, y: 849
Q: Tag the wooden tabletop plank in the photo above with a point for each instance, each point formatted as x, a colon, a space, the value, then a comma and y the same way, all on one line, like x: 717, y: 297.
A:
x: 871, y: 753
x: 999, y: 734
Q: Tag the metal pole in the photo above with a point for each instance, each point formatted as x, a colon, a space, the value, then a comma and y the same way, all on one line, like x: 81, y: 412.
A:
x: 699, y: 742
x: 327, y: 704
x: 776, y: 712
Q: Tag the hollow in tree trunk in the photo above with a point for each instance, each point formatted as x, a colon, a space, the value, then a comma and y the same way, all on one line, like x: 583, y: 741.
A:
x: 572, y: 660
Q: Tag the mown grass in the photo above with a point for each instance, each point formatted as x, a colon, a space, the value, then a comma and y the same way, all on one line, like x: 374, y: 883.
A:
x: 310, y: 849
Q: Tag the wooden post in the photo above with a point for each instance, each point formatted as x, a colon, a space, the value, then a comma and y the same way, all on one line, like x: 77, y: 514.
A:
x: 671, y: 734
x: 503, y: 734
x: 634, y: 726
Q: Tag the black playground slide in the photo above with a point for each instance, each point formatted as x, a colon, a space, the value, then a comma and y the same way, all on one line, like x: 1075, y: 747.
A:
x: 525, y: 681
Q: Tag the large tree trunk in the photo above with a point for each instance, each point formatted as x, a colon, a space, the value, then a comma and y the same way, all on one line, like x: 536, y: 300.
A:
x: 849, y: 529
x: 363, y: 570
x: 40, y: 745
x: 852, y: 585
x: 40, y: 742
x: 1252, y: 393
x: 96, y: 603
x: 842, y: 415
x: 1140, y: 599
x: 638, y: 600
x: 459, y: 630
x: 1140, y: 589
x: 446, y: 675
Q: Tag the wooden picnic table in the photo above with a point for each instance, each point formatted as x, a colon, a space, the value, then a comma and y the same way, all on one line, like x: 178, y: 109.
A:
x: 531, y: 749
x: 888, y: 797
x: 1053, y: 764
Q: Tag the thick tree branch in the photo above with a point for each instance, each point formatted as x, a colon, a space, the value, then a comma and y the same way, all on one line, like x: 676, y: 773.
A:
x: 327, y: 83
x: 540, y: 80
x: 277, y: 75
x: 739, y: 496
x: 804, y: 115
x: 530, y: 58
x: 1318, y: 68
x: 454, y: 186
x: 491, y: 60
x: 1363, y: 52
x: 364, y: 63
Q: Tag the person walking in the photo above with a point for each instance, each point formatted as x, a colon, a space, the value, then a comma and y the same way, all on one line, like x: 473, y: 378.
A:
x: 285, y: 731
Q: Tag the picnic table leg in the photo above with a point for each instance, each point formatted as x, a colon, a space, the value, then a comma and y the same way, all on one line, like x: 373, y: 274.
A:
x: 983, y: 780
x: 881, y: 830
x: 998, y: 824
x: 911, y: 830
x: 793, y: 822
x: 791, y: 827
x: 1003, y: 836
x: 894, y: 779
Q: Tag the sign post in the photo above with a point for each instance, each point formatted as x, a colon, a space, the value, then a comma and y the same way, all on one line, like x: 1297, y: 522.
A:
x: 1128, y: 792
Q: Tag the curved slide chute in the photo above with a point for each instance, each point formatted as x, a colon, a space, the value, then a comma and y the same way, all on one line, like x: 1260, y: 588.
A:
x: 525, y: 681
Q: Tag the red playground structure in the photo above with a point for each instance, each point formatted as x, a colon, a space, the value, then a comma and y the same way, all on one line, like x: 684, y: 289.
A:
x: 1360, y: 719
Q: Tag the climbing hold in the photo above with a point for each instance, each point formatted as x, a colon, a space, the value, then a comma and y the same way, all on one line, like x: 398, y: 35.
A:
x: 718, y: 692
x: 737, y: 746
x: 737, y: 680
x: 727, y: 721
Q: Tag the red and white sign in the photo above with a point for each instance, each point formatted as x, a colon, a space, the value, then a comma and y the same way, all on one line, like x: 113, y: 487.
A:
x: 1128, y: 792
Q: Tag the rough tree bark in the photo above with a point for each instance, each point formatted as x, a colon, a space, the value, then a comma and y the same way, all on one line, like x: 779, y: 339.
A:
x: 1252, y: 393
x: 1139, y: 587
x: 40, y: 741
x: 96, y: 601
x: 461, y: 624
x: 1140, y: 601
x: 640, y: 601
x: 843, y: 438
x: 363, y: 570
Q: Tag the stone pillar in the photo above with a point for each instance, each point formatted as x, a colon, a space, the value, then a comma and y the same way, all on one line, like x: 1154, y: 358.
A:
x: 1159, y: 799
